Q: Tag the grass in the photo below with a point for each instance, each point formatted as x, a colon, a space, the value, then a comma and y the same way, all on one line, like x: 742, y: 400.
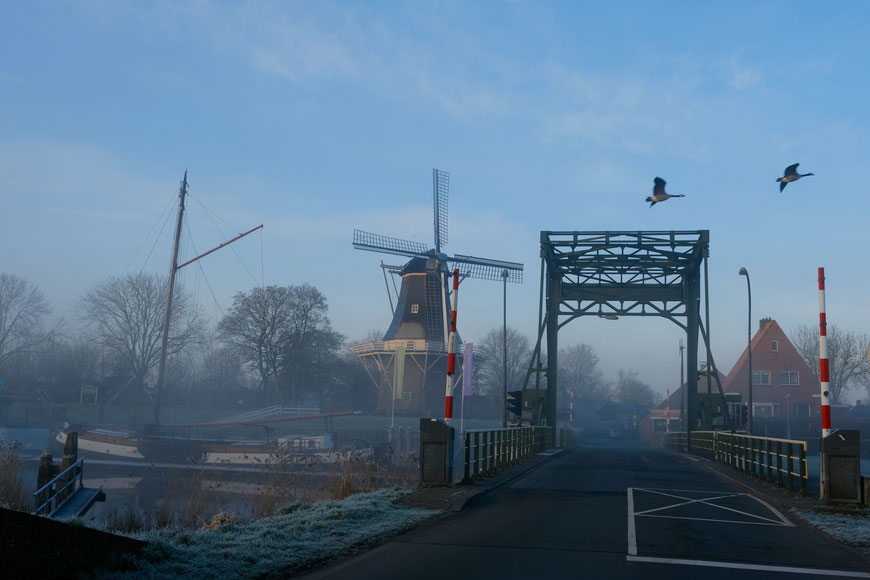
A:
x: 297, y: 537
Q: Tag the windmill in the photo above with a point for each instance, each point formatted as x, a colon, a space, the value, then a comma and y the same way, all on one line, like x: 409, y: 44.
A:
x: 419, y: 329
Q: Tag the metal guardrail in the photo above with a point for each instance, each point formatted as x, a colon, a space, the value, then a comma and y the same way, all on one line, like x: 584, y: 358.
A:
x: 777, y: 461
x: 488, y: 451
x: 50, y: 496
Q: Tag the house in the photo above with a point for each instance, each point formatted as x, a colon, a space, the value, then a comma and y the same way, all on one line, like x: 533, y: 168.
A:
x: 668, y: 415
x: 783, y: 386
x: 785, y: 392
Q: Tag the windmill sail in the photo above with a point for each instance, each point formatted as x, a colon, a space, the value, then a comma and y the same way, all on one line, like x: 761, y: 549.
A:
x: 440, y: 191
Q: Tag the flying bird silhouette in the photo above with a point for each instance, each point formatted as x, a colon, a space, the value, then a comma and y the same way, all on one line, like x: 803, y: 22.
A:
x: 790, y: 175
x: 659, y: 192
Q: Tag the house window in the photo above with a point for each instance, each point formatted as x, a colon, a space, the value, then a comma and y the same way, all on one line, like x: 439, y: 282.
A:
x: 802, y: 410
x: 406, y: 396
x: 789, y: 378
x: 774, y: 345
x: 415, y: 308
x: 761, y: 378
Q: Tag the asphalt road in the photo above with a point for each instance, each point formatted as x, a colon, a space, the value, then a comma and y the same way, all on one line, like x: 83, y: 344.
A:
x: 610, y: 510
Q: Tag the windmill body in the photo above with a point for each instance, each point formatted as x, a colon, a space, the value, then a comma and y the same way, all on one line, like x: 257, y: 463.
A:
x: 409, y: 364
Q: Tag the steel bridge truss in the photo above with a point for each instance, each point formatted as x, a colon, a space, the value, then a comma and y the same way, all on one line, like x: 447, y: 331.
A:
x: 613, y: 274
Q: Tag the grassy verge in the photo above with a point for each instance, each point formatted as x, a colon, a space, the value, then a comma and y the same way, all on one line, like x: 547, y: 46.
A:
x: 297, y: 537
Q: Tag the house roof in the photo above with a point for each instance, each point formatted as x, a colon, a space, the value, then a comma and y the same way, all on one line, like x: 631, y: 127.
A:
x: 769, y: 331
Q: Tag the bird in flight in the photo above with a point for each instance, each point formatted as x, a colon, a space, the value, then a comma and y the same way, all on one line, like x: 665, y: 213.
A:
x: 790, y: 175
x: 659, y: 192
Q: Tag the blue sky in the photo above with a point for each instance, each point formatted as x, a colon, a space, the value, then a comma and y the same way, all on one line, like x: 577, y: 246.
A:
x: 315, y: 118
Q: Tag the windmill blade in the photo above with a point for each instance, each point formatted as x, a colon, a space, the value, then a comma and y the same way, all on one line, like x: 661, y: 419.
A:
x: 440, y: 191
x: 378, y: 243
x: 487, y: 269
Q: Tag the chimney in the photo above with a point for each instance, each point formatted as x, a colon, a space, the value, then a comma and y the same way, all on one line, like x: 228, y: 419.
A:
x: 764, y: 322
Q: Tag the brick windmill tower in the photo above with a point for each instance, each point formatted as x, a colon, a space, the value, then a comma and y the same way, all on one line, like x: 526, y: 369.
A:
x: 408, y: 365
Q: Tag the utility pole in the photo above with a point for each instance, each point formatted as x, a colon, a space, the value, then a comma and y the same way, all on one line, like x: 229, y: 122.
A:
x: 683, y: 389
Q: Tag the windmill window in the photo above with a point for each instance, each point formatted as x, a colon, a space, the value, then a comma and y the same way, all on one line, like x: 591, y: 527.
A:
x: 761, y: 378
x: 774, y: 345
x: 415, y: 308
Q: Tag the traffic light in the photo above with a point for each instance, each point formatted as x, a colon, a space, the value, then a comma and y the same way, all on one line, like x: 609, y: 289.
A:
x: 515, y: 402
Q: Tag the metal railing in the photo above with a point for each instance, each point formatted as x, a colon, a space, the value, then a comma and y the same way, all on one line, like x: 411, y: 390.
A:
x: 488, y: 451
x: 782, y: 462
x: 270, y: 412
x: 50, y: 496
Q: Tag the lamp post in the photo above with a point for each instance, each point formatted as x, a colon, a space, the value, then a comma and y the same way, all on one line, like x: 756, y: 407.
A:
x: 788, y: 416
x: 504, y: 276
x: 750, y: 411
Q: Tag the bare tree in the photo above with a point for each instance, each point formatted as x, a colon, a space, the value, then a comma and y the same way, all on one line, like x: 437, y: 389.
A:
x: 126, y: 317
x: 257, y: 327
x: 22, y: 310
x: 312, y: 344
x: 847, y: 357
x: 489, y: 369
x: 579, y: 374
x: 284, y: 334
x: 630, y: 390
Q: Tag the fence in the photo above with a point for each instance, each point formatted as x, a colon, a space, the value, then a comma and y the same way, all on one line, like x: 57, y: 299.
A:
x: 777, y: 461
x: 48, y: 497
x: 488, y: 451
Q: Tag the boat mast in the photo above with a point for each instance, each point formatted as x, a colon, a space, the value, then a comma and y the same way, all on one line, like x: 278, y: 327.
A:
x: 166, y: 316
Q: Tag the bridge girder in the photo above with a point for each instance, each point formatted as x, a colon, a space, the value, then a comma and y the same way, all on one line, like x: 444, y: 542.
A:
x: 621, y: 273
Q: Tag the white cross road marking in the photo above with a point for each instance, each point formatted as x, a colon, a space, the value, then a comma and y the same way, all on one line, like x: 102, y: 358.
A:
x: 711, y: 496
x: 779, y: 521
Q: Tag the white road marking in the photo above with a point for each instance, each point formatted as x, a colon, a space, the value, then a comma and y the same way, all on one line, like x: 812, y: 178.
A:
x: 632, y: 536
x: 741, y: 566
x: 779, y: 521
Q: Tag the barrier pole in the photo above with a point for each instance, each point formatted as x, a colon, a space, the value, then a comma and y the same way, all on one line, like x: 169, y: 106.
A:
x: 451, y: 351
x: 824, y: 375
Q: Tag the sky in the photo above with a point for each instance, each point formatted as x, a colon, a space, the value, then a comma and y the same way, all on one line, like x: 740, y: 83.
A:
x: 318, y: 118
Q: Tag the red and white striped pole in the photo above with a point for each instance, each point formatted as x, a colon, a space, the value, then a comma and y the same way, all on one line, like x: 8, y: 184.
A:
x: 668, y: 413
x: 451, y: 351
x: 571, y: 412
x: 824, y: 375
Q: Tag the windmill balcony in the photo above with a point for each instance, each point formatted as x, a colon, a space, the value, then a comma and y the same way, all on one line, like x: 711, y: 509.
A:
x: 412, y: 345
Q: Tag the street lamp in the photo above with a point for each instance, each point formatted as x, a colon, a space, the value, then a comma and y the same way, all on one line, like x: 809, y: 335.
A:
x: 788, y: 416
x: 504, y: 276
x: 750, y: 411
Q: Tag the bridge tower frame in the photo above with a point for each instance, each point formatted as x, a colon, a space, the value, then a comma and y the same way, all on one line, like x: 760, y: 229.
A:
x: 613, y: 274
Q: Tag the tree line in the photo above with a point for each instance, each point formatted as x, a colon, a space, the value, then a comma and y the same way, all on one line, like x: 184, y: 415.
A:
x: 274, y: 344
x: 277, y: 344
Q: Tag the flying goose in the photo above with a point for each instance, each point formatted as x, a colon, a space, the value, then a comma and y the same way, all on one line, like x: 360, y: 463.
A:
x: 790, y: 175
x: 659, y: 192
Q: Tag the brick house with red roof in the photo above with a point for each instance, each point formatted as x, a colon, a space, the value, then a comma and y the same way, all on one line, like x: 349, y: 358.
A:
x: 784, y: 389
x: 782, y: 383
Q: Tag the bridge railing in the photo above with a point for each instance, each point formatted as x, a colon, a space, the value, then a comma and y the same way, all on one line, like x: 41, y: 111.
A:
x: 782, y: 462
x: 51, y: 495
x: 488, y: 451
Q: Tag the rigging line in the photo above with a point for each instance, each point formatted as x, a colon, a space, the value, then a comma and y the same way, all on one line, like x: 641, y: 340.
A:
x: 157, y: 239
x: 167, y: 212
x: 210, y: 290
x: 212, y: 215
